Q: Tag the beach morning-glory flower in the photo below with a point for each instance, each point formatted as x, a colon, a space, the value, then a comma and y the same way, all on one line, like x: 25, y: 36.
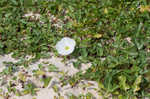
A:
x: 65, y: 46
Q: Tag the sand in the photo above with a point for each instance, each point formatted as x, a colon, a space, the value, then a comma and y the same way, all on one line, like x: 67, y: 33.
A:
x: 48, y: 92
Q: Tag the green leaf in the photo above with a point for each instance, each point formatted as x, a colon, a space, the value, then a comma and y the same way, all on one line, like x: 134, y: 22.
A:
x: 47, y: 81
x: 123, y: 83
x: 77, y: 64
x: 136, y: 85
x: 39, y: 72
x: 108, y: 81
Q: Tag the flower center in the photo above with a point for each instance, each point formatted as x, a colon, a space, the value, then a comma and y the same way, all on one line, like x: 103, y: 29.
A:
x: 67, y: 47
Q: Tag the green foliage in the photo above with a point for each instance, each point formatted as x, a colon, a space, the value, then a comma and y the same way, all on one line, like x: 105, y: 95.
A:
x: 30, y: 89
x: 100, y: 28
x: 52, y: 68
x: 46, y: 81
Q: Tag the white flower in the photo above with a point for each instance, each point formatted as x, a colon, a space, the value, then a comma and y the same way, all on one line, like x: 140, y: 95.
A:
x: 65, y: 46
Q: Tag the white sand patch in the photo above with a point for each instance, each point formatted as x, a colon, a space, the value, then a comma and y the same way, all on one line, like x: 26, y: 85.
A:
x: 68, y: 69
x: 32, y: 15
x: 64, y: 68
x: 84, y: 67
x: 83, y: 88
x: 46, y: 94
x: 42, y: 94
x: 22, y: 97
x: 6, y: 58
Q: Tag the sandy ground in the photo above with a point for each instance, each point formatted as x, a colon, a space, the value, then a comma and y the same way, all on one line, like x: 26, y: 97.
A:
x: 48, y: 92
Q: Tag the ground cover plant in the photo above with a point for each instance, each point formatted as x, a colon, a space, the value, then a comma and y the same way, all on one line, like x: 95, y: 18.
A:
x: 114, y: 35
